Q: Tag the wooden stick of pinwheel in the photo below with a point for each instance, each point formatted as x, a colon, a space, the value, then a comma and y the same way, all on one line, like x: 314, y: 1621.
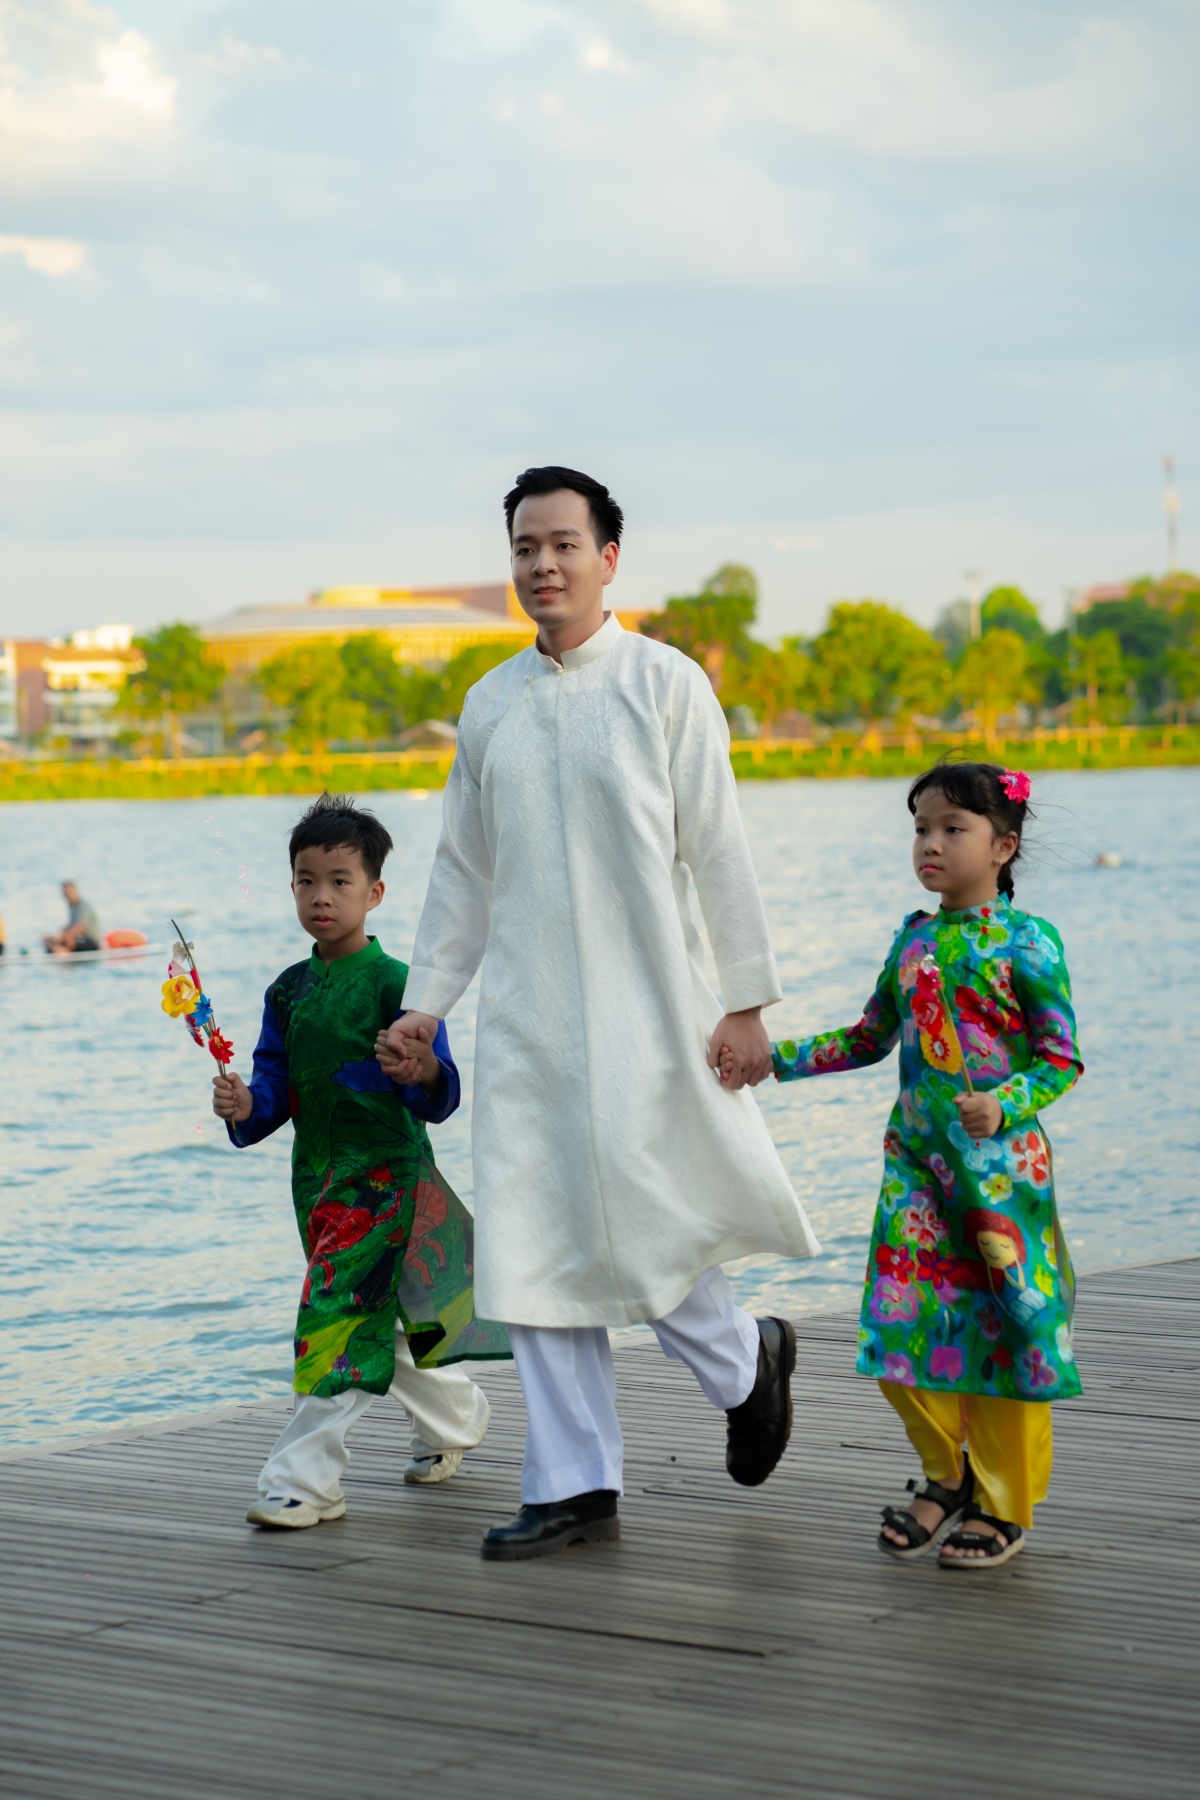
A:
x: 966, y: 1073
x: 933, y: 975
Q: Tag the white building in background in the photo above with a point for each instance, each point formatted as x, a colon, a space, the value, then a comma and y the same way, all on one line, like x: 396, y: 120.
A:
x: 84, y: 681
x: 103, y: 637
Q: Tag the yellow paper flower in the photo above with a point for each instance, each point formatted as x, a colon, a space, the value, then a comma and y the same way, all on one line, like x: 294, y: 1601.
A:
x: 180, y: 996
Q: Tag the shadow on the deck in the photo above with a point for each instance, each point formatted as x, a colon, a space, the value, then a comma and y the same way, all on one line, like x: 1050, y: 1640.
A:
x: 732, y: 1644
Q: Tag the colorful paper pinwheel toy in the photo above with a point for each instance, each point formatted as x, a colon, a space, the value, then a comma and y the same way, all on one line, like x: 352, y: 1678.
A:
x: 183, y: 997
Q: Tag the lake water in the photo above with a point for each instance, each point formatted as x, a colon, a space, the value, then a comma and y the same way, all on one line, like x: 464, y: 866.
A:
x: 151, y: 1269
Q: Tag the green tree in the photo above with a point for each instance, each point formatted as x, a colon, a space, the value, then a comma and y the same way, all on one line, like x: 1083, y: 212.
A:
x: 1183, y: 658
x: 390, y: 695
x: 309, y: 681
x: 712, y: 626
x: 1008, y: 609
x: 178, y: 678
x: 770, y: 681
x: 445, y: 693
x: 1101, y: 670
x: 1146, y: 630
x: 993, y: 677
x: 873, y: 663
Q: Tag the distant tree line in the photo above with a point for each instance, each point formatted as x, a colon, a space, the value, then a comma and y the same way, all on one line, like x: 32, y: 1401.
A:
x: 1128, y: 660
x: 1120, y: 661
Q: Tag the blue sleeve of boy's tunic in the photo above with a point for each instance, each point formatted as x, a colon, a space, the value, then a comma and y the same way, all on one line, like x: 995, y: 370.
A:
x: 435, y: 1104
x: 268, y: 1086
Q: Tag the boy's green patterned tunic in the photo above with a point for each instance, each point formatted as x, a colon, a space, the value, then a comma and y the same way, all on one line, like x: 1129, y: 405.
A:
x: 382, y: 1231
x: 969, y: 1286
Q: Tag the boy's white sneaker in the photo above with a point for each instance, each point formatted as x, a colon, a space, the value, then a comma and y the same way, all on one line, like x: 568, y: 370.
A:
x: 431, y: 1466
x: 292, y: 1515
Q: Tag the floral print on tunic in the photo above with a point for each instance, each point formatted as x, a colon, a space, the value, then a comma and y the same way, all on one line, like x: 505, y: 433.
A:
x: 969, y: 1285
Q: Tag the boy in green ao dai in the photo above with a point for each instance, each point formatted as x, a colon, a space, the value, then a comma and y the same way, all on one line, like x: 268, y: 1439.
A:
x: 388, y: 1295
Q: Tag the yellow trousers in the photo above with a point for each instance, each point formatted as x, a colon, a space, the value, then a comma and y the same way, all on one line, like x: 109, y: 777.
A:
x: 1009, y: 1442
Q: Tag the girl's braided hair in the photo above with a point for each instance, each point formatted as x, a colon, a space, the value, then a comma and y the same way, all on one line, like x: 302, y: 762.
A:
x: 978, y: 787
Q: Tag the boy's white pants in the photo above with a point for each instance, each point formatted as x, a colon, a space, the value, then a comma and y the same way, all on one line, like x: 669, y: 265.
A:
x: 448, y: 1412
x: 573, y: 1443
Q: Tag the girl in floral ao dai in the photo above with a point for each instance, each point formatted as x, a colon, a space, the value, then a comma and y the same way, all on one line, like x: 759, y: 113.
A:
x: 966, y: 1316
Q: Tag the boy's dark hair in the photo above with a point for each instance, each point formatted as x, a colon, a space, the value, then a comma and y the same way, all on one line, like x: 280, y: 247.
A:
x: 334, y: 819
x: 975, y: 787
x: 608, y: 520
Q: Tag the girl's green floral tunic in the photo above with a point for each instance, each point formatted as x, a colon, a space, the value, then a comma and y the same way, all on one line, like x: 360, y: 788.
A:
x: 969, y: 1286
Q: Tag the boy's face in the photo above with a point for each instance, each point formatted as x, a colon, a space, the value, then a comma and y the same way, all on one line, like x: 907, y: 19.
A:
x: 333, y: 894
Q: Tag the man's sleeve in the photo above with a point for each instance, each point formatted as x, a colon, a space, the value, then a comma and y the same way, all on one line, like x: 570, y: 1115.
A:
x: 452, y: 934
x: 712, y: 842
x: 437, y: 1103
x: 268, y: 1086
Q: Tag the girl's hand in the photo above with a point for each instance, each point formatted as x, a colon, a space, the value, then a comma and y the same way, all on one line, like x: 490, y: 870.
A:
x: 980, y: 1114
x: 232, y: 1099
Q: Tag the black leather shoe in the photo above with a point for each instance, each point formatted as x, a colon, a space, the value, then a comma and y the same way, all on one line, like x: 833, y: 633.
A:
x: 760, y: 1427
x: 545, y: 1530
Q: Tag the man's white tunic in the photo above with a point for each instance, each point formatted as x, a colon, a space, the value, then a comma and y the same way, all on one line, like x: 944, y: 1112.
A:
x: 611, y: 1167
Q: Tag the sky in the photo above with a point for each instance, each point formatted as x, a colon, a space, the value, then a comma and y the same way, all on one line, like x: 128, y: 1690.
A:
x: 864, y: 293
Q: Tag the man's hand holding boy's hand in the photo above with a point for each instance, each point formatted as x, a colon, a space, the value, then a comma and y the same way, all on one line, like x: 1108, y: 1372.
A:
x: 405, y: 1051
x: 232, y: 1099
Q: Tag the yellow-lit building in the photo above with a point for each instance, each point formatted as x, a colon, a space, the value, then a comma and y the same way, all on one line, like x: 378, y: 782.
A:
x: 426, y: 625
x: 70, y: 690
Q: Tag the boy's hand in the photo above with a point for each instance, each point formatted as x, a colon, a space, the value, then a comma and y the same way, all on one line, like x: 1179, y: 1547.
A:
x: 980, y: 1114
x: 232, y: 1099
x: 727, y: 1070
x: 407, y: 1057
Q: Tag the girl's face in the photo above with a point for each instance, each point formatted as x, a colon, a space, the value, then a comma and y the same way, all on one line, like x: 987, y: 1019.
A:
x: 957, y: 854
x: 997, y: 1250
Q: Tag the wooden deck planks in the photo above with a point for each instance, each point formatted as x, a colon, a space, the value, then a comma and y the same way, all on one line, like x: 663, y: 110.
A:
x: 733, y: 1643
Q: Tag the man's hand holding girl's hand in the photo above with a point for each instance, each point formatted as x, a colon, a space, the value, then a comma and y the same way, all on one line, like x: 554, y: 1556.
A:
x: 979, y: 1114
x: 232, y: 1099
x: 740, y: 1049
x: 405, y: 1051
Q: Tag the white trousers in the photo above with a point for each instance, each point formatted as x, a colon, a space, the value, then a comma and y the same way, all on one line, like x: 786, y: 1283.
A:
x: 447, y: 1410
x: 573, y: 1441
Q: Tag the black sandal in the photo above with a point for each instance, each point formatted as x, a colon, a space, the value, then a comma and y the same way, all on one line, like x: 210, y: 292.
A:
x: 996, y: 1550
x: 953, y: 1502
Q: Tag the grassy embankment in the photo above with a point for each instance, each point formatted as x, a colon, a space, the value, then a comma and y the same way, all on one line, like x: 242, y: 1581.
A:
x: 845, y: 754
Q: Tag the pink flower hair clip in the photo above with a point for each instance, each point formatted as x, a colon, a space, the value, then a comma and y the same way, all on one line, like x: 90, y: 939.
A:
x: 1015, y: 783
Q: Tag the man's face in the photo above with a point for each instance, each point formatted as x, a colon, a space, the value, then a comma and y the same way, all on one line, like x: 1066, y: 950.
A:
x: 559, y: 571
x: 70, y: 892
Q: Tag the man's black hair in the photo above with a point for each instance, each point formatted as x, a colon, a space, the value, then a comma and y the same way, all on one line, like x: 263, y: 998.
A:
x: 975, y: 787
x: 334, y: 820
x: 607, y: 518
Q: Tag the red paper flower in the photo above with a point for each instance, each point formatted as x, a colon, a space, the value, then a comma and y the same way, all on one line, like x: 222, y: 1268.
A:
x: 1015, y: 783
x: 220, y: 1047
x: 927, y: 1001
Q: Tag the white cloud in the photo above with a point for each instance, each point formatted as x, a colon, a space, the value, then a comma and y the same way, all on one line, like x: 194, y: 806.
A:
x: 131, y: 77
x: 70, y: 81
x: 600, y: 57
x: 878, y: 77
x: 46, y: 256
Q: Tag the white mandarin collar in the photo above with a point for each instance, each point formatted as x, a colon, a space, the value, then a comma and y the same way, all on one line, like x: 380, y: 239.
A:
x: 598, y: 644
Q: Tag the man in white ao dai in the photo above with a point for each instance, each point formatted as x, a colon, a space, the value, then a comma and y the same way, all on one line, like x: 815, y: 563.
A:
x: 614, y: 1173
